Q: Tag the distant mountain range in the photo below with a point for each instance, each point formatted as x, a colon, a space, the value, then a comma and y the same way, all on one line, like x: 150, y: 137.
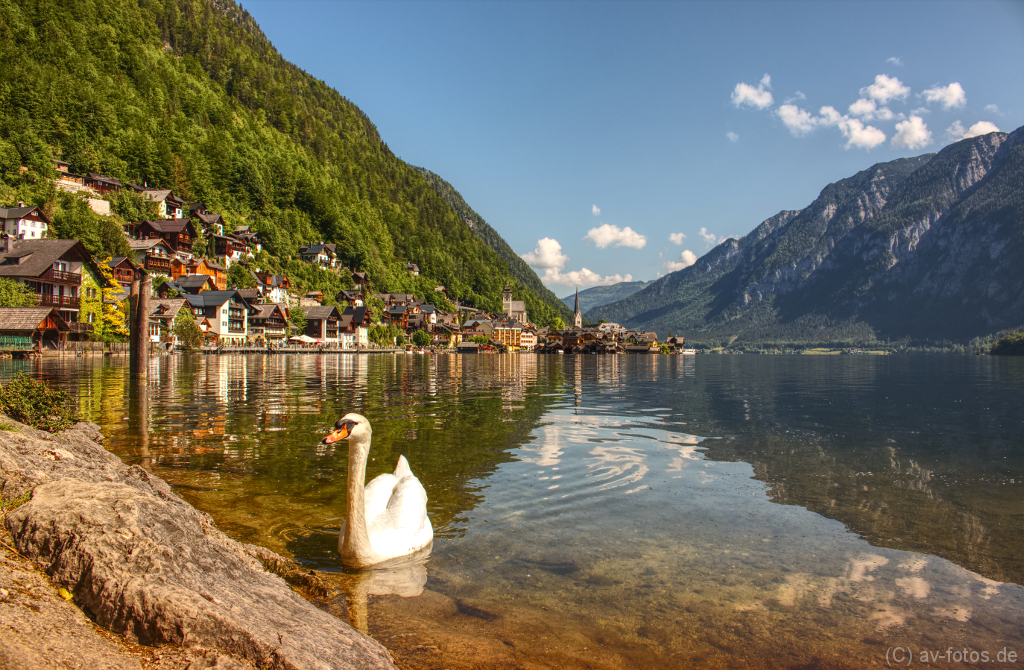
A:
x: 602, y: 295
x: 927, y: 250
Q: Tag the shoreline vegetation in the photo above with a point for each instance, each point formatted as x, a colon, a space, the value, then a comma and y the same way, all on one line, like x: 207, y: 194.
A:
x: 102, y: 564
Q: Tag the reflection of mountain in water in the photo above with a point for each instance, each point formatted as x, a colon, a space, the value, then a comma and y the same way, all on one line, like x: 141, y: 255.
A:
x: 892, y: 448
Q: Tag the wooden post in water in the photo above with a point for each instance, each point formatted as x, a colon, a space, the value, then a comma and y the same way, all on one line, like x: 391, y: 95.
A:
x: 141, y: 337
x: 133, y: 324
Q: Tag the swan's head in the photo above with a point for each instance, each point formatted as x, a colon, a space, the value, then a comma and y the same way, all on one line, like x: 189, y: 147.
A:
x: 347, y: 426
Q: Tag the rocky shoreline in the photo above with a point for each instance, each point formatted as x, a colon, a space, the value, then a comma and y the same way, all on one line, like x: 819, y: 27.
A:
x: 91, y: 546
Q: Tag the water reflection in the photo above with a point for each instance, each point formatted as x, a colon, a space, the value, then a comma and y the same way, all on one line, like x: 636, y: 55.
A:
x: 662, y: 511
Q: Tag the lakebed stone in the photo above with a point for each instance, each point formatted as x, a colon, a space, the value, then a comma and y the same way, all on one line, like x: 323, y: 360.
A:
x: 144, y: 563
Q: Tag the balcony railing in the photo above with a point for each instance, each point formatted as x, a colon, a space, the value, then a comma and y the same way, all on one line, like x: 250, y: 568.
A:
x: 79, y: 327
x: 57, y: 300
x: 61, y: 277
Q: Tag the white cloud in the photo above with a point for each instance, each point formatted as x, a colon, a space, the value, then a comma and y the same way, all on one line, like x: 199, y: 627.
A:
x: 758, y: 97
x: 797, y: 120
x: 547, y: 254
x: 956, y: 131
x: 733, y: 137
x: 596, y: 210
x: 993, y: 109
x: 686, y: 259
x: 912, y: 134
x: 895, y: 60
x: 949, y: 96
x: 677, y: 238
x: 885, y: 89
x: 869, y: 110
x: 710, y: 238
x: 582, y: 277
x: 799, y: 95
x: 606, y: 235
x: 856, y: 133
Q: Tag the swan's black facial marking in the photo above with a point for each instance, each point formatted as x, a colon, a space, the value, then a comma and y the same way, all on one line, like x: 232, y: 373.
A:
x: 342, y: 429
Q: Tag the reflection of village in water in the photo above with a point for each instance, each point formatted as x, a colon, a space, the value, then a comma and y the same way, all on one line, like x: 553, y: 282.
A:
x: 620, y: 504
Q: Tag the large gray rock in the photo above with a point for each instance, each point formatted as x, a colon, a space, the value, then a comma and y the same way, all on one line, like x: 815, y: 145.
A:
x: 148, y: 565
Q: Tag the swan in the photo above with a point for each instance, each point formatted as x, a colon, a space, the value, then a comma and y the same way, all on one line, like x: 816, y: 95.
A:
x: 387, y: 518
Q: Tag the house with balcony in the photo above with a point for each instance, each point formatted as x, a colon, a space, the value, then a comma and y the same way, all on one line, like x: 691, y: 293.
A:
x: 322, y: 322
x: 325, y: 255
x: 209, y: 222
x: 52, y: 271
x: 154, y: 256
x: 178, y: 234
x: 353, y: 297
x: 226, y: 314
x: 269, y: 323
x: 250, y: 238
x: 273, y: 288
x: 102, y: 184
x: 231, y: 248
x: 124, y: 270
x: 24, y: 222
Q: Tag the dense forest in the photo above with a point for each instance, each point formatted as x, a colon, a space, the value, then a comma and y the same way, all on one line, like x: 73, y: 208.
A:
x: 190, y: 95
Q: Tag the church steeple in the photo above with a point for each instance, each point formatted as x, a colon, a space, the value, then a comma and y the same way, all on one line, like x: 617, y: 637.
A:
x: 577, y: 315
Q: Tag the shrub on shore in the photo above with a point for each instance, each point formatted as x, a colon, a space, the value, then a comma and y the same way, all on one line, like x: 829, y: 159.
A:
x: 35, y: 404
x: 1011, y: 345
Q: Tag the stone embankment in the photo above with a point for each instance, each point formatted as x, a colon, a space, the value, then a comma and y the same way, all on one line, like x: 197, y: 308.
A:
x: 102, y: 546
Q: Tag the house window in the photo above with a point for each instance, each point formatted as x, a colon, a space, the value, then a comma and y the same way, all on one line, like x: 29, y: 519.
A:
x: 91, y: 317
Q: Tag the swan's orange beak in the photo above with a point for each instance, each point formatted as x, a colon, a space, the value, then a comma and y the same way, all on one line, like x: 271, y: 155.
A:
x: 335, y: 435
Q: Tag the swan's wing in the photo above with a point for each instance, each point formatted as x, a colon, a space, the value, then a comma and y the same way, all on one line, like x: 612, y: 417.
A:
x: 407, y: 509
x: 377, y: 494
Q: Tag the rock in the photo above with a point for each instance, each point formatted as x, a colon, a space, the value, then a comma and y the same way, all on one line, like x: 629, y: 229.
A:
x: 146, y: 564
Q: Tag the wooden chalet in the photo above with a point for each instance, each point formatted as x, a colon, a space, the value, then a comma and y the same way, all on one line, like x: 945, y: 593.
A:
x: 102, y: 184
x: 52, y: 271
x: 322, y: 322
x: 24, y: 222
x: 31, y: 328
x: 269, y: 323
x: 125, y: 270
x: 178, y: 234
x: 154, y: 256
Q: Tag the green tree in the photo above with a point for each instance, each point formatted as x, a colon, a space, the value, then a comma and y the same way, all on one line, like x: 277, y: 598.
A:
x: 375, y: 306
x: 188, y: 332
x: 115, y: 318
x: 557, y: 323
x: 132, y: 207
x: 239, y: 277
x: 199, y: 246
x: 15, y: 294
x: 298, y: 317
x: 421, y: 338
x: 479, y: 339
x: 1011, y: 345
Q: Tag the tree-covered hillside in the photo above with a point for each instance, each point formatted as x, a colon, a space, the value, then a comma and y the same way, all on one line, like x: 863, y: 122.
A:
x: 190, y: 95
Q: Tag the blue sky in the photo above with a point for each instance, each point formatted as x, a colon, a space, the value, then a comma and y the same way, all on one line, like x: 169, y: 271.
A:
x: 612, y: 139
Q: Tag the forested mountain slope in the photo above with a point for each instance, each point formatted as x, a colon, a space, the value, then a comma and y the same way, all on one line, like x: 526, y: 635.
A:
x: 925, y: 249
x: 190, y: 95
x: 516, y: 265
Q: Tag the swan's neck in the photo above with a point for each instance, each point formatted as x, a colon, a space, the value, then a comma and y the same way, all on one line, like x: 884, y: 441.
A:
x: 356, y: 549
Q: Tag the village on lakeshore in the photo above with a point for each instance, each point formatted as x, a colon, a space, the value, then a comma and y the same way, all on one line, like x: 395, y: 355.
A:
x: 188, y: 252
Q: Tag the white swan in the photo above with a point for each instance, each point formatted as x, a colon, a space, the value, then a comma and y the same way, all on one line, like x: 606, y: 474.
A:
x: 387, y: 518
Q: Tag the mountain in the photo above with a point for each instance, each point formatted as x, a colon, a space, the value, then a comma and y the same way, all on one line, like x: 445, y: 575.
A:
x: 190, y: 95
x: 924, y: 250
x: 516, y: 265
x: 596, y: 296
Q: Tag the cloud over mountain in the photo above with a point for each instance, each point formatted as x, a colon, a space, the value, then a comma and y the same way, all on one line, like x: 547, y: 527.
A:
x: 606, y: 235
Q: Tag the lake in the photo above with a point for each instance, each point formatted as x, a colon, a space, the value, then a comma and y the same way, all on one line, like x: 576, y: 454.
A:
x: 619, y: 511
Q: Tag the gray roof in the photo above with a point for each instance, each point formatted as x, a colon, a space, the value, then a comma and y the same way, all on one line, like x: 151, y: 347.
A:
x: 19, y: 212
x: 172, y: 305
x: 250, y: 294
x: 169, y: 225
x: 145, y: 244
x: 320, y: 312
x: 210, y: 298
x: 37, y: 256
x: 265, y: 311
x: 192, y: 281
x: 27, y: 318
